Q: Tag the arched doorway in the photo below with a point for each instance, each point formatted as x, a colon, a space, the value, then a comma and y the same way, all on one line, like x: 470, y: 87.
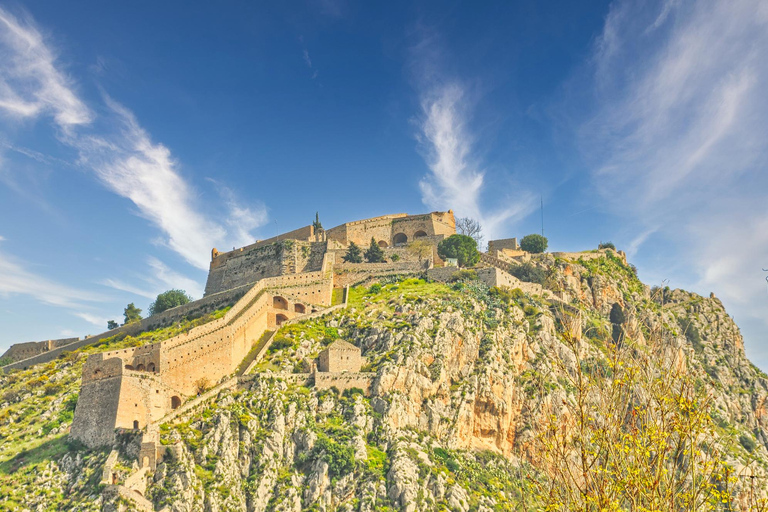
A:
x: 281, y: 319
x: 400, y: 239
x: 419, y: 234
x: 279, y: 303
x: 299, y: 308
x: 383, y: 244
x: 151, y: 367
x: 136, y: 424
x: 144, y: 464
x: 140, y: 367
x: 175, y: 402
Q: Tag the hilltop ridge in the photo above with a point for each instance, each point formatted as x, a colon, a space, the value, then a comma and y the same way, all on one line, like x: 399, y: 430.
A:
x: 442, y: 395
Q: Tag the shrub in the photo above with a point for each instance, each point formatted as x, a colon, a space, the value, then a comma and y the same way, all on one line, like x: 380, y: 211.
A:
x: 461, y: 247
x: 340, y: 458
x: 463, y: 275
x: 606, y: 245
x: 395, y: 257
x: 529, y: 273
x: 506, y: 294
x: 167, y: 300
x: 747, y: 442
x: 534, y: 243
x: 354, y: 254
x: 375, y: 288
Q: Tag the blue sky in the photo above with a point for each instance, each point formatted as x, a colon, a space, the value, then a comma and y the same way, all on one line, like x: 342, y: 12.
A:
x: 135, y: 137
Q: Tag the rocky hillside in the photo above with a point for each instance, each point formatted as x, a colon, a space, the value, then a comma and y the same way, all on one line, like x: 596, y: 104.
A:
x: 482, y: 399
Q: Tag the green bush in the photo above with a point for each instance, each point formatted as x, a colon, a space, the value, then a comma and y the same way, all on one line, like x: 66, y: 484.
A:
x: 463, y: 275
x: 606, y: 245
x: 529, y: 273
x: 375, y: 288
x: 534, y: 243
x: 506, y: 294
x: 340, y: 458
x: 461, y: 247
x: 167, y: 300
x: 747, y: 442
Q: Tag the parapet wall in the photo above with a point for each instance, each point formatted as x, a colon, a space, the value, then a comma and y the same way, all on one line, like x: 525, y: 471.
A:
x: 191, y: 310
x: 260, y: 261
x: 21, y: 351
x: 143, y: 384
x: 344, y: 381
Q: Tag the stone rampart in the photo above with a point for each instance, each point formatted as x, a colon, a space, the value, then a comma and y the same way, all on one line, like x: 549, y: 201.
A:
x: 154, y: 379
x: 21, y: 351
x: 344, y: 381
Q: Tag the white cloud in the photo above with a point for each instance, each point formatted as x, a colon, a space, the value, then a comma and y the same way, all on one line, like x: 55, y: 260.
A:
x: 157, y: 279
x: 92, y: 319
x: 679, y: 140
x: 114, y: 147
x: 456, y: 180
x: 30, y: 83
x: 172, y: 279
x: 15, y: 279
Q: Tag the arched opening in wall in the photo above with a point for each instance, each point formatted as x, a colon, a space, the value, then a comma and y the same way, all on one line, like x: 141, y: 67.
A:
x: 140, y: 367
x: 136, y: 424
x: 382, y: 243
x: 151, y: 367
x: 299, y: 308
x: 175, y: 402
x: 419, y: 234
x: 129, y: 367
x: 145, y: 462
x: 279, y: 303
x: 400, y: 239
x: 281, y: 319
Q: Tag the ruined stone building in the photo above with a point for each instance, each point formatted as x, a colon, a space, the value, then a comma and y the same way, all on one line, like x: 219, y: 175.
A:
x: 340, y: 356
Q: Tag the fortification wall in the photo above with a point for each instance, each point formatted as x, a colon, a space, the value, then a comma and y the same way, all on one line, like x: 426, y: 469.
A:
x: 344, y: 381
x: 191, y: 310
x: 28, y: 349
x: 248, y: 265
x: 171, y: 368
x: 98, y: 401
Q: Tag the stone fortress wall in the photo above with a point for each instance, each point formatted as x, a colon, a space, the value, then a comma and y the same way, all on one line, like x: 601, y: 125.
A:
x: 133, y: 387
x: 21, y: 351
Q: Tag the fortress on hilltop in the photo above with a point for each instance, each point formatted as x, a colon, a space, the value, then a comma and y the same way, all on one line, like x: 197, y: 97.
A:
x: 270, y: 282
x: 296, y: 275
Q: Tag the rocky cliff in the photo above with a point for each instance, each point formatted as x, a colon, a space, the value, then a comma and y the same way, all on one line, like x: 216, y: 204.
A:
x: 472, y: 389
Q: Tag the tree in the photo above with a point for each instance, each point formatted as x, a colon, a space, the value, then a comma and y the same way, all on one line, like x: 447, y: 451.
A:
x: 354, y: 254
x: 111, y: 324
x: 132, y: 314
x: 317, y: 225
x: 534, y: 243
x: 470, y: 227
x: 461, y: 247
x: 167, y: 300
x: 374, y: 254
x: 606, y: 245
x: 528, y: 273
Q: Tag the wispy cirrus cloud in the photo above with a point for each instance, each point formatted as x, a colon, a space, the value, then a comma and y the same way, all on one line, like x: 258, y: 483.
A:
x: 17, y: 279
x: 114, y: 146
x: 678, y: 140
x: 456, y: 179
x: 30, y: 82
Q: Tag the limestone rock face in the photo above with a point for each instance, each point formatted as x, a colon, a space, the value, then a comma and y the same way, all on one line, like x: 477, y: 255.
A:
x: 463, y: 383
